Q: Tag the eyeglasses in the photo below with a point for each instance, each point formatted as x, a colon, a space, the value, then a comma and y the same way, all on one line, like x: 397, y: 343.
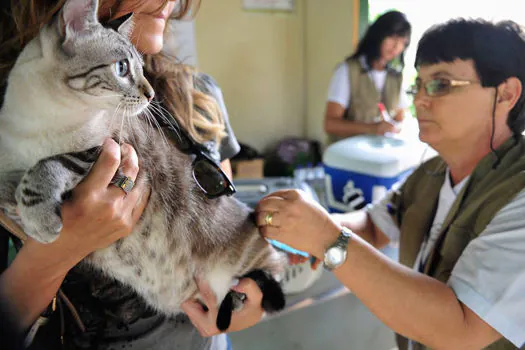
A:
x: 208, y: 175
x: 438, y: 87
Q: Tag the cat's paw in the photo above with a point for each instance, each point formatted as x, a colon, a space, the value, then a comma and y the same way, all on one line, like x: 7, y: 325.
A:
x: 233, y: 301
x: 273, y: 295
x: 224, y: 316
x: 42, y: 221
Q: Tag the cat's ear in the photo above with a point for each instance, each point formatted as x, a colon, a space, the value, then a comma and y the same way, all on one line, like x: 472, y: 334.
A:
x: 79, y: 15
x: 76, y: 17
x: 123, y: 25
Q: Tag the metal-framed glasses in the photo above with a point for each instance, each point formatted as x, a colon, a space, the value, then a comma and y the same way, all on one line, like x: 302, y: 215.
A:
x: 438, y: 86
x: 207, y: 174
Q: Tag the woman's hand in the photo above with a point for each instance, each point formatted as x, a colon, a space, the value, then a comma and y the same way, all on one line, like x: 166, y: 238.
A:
x: 383, y: 127
x: 206, y: 321
x: 297, y: 221
x: 98, y: 212
x: 97, y: 215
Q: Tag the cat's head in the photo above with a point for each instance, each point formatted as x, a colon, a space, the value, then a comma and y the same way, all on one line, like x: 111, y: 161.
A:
x: 99, y: 64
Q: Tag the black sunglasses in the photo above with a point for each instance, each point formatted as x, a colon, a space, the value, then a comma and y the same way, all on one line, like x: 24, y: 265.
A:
x: 208, y: 175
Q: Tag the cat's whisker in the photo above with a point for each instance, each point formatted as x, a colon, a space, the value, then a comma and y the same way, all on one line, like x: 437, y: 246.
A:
x: 146, y: 114
x: 161, y: 112
x: 158, y: 112
x: 165, y: 114
x: 122, y: 124
x: 114, y: 116
x: 151, y: 129
x: 155, y: 111
x: 130, y: 125
x: 151, y: 118
x: 107, y: 96
x: 148, y: 128
x: 145, y: 127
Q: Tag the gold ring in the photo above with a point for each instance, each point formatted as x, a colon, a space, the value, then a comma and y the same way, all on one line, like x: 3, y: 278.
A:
x: 268, y: 219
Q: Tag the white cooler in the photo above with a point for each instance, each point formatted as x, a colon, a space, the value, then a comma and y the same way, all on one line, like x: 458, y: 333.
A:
x: 360, y: 169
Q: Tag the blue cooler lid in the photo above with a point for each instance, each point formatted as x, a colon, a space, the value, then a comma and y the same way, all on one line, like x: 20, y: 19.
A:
x: 380, y: 156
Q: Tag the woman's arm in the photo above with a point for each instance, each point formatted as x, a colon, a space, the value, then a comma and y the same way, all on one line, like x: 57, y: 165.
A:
x: 415, y: 305
x: 97, y: 215
x: 335, y: 124
x: 360, y: 223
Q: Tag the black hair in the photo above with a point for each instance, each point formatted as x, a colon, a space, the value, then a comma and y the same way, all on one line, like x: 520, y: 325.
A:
x: 497, y: 50
x: 391, y: 23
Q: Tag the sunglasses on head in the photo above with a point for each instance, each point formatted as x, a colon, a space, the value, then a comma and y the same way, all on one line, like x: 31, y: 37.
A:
x: 208, y: 175
x: 438, y: 86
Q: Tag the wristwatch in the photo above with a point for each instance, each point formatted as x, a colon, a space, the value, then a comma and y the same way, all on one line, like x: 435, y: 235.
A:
x: 335, y: 255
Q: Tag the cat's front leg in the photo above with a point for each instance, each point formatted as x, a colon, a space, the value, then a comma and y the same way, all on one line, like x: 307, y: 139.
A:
x: 43, y: 189
x: 8, y: 183
x: 273, y: 298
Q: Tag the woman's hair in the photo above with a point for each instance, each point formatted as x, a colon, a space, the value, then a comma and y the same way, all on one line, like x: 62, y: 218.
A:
x: 392, y: 23
x: 173, y: 82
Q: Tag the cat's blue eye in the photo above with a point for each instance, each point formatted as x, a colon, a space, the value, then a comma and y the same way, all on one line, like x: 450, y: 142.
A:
x: 122, y: 68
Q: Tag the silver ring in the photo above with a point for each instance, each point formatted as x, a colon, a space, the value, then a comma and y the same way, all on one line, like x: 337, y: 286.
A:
x: 125, y: 183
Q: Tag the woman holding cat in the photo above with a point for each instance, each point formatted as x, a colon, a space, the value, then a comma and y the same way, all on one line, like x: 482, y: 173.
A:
x: 99, y: 214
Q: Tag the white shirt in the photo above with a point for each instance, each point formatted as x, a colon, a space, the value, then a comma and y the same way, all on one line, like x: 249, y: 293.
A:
x: 447, y: 196
x: 489, y: 276
x: 339, y: 89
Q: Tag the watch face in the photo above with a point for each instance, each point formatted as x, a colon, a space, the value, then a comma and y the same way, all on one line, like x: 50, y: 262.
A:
x: 345, y: 231
x: 334, y: 256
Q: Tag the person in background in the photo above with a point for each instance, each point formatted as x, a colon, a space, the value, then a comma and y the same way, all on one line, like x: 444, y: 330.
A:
x: 458, y: 218
x: 368, y: 80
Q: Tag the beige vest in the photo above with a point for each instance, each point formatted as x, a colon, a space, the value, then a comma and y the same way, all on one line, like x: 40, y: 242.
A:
x: 364, y: 96
x: 485, y: 193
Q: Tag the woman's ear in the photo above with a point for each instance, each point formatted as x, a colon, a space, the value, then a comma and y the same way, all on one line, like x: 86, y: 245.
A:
x: 509, y: 93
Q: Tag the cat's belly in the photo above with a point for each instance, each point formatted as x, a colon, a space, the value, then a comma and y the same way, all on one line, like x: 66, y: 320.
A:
x: 158, y: 268
x: 17, y: 160
x: 26, y: 155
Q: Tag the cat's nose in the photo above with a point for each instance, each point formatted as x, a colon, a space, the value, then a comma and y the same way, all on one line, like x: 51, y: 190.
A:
x: 148, y: 93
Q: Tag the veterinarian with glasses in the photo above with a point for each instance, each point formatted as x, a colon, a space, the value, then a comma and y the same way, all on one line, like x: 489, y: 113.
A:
x: 105, y: 314
x: 458, y: 219
x: 372, y: 75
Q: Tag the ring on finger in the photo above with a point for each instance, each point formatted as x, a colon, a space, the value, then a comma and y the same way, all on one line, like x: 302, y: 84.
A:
x: 268, y: 218
x: 125, y: 183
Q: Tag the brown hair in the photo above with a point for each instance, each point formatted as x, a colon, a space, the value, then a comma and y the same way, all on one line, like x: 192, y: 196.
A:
x: 173, y: 82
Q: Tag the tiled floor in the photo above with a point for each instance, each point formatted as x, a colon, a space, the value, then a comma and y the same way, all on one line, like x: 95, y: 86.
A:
x: 329, y: 323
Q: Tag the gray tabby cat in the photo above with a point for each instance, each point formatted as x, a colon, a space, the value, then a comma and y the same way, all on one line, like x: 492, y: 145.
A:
x: 78, y: 83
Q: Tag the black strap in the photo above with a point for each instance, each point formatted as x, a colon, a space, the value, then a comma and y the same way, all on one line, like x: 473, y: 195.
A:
x: 4, y: 249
